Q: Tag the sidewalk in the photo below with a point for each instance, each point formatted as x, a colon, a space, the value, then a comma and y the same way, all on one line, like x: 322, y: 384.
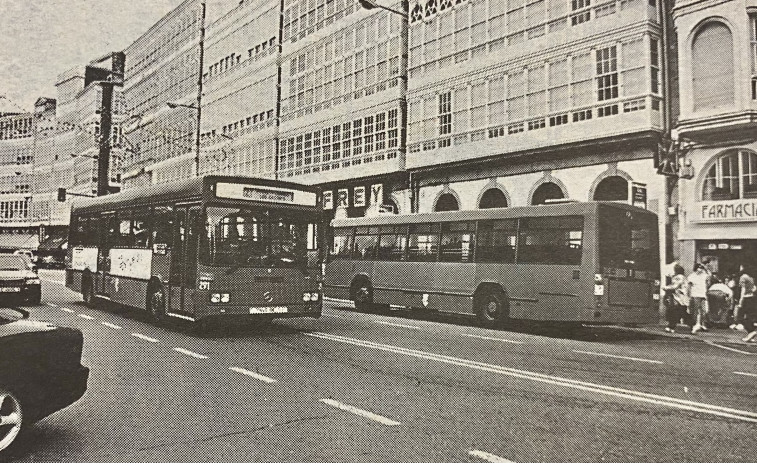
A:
x: 720, y: 334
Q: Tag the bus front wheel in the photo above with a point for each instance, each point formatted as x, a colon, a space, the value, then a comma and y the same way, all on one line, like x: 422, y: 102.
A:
x: 491, y: 309
x: 157, y: 304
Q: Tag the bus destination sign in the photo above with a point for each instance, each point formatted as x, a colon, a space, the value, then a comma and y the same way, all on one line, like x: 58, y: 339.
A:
x: 266, y: 194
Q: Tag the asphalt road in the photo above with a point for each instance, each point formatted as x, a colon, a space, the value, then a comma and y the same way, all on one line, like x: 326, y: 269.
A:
x: 353, y: 387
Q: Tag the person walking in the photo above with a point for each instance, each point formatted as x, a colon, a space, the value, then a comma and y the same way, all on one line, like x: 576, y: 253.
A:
x: 676, y: 299
x: 748, y: 310
x: 697, y: 282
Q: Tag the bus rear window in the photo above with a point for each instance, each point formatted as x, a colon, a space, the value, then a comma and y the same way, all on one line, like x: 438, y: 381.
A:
x: 551, y: 240
x: 628, y: 240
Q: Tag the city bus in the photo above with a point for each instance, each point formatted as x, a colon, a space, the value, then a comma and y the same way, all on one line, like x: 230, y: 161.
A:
x: 590, y: 262
x: 206, y: 247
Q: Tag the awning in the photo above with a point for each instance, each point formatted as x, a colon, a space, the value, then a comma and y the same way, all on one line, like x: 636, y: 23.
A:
x: 19, y: 241
x: 55, y: 241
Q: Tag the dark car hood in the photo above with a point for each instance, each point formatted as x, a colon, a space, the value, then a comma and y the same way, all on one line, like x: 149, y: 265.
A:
x: 25, y: 326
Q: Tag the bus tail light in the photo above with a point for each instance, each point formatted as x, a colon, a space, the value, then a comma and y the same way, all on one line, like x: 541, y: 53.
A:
x: 599, y: 287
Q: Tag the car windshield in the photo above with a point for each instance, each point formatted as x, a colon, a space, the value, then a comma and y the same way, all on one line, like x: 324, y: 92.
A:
x: 12, y: 262
x: 253, y: 238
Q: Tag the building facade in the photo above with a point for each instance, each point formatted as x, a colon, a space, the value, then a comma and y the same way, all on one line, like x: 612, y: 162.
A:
x: 716, y: 204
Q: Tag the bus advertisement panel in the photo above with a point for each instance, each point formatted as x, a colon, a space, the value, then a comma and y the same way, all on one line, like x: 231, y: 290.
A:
x: 579, y: 262
x: 205, y: 247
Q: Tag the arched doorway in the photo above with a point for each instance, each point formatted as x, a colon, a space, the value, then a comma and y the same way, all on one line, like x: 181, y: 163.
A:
x: 446, y: 202
x: 613, y: 188
x: 493, y: 197
x: 545, y: 191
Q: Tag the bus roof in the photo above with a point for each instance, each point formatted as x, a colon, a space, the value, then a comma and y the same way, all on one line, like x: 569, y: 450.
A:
x: 547, y: 210
x: 183, y: 190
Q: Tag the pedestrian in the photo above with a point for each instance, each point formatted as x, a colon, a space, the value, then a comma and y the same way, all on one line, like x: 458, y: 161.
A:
x: 733, y: 283
x: 676, y: 300
x: 719, y: 297
x: 748, y: 310
x: 697, y: 282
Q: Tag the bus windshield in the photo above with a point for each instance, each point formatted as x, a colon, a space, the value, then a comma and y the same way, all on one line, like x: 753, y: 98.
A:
x: 628, y: 240
x: 253, y: 238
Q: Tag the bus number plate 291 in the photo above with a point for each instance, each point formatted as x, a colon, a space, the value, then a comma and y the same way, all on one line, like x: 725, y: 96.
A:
x: 276, y: 309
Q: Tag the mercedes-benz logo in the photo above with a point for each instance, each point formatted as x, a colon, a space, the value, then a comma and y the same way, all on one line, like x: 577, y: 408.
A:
x: 267, y: 296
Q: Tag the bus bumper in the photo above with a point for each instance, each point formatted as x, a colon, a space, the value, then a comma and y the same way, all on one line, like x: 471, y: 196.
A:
x: 261, y: 311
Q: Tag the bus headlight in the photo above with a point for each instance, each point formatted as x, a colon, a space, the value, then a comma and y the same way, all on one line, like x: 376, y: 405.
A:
x: 657, y: 282
x: 219, y: 297
x: 224, y: 297
x: 314, y: 297
x: 306, y: 297
x: 597, y: 278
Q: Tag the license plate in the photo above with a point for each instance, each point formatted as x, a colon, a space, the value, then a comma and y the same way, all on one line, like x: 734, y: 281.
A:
x: 277, y: 309
x: 10, y: 290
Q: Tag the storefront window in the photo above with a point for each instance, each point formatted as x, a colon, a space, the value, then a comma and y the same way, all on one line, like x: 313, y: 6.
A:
x: 732, y: 176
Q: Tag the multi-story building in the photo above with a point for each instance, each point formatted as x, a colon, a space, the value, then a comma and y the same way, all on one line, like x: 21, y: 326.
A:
x: 16, y: 179
x: 716, y: 197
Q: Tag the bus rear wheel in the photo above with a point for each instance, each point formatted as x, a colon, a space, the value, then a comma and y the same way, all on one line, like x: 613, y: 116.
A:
x: 157, y: 304
x: 491, y: 309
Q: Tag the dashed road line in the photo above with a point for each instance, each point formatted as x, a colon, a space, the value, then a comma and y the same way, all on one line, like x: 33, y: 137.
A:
x: 111, y: 325
x: 85, y: 316
x: 51, y: 305
x: 490, y: 457
x: 66, y: 309
x: 492, y: 339
x: 252, y: 374
x: 594, y: 388
x: 363, y: 413
x: 745, y: 374
x: 411, y: 327
x: 622, y: 357
x: 190, y: 353
x: 145, y: 338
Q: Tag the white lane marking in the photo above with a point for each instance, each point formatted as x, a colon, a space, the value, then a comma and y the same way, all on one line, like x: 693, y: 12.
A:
x: 111, y: 325
x: 51, y: 305
x: 488, y: 457
x: 492, y: 339
x: 252, y: 374
x: 745, y: 374
x: 729, y: 348
x: 86, y: 316
x: 146, y: 338
x: 638, y: 396
x: 365, y: 414
x: 410, y: 327
x: 190, y: 353
x: 600, y: 354
x: 66, y: 309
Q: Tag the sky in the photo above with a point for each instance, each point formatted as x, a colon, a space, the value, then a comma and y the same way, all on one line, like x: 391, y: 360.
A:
x: 40, y: 39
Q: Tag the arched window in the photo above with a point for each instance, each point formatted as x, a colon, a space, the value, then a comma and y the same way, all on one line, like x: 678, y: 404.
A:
x: 712, y: 67
x: 446, y: 202
x: 613, y: 188
x: 492, y: 197
x: 733, y: 175
x: 545, y: 191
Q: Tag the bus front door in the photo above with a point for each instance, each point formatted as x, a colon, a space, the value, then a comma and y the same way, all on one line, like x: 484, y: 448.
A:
x: 183, y: 259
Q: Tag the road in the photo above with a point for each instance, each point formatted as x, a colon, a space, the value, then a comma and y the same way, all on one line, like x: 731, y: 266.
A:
x: 354, y: 387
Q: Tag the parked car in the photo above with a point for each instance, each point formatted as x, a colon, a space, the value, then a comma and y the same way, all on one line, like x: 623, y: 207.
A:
x: 40, y: 373
x: 19, y: 282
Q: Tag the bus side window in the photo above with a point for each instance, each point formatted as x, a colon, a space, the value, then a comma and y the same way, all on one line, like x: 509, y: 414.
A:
x: 496, y: 241
x: 392, y: 244
x: 140, y: 227
x: 551, y: 240
x: 342, y: 243
x: 162, y: 226
x: 423, y: 245
x: 366, y: 242
x: 125, y: 237
x: 76, y: 231
x: 110, y: 228
x: 457, y: 242
x: 91, y: 232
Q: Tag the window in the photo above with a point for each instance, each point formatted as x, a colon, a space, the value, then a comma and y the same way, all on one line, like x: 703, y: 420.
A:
x: 607, y: 73
x: 446, y: 202
x: 654, y: 55
x: 613, y: 188
x: 393, y: 243
x: 342, y: 243
x: 457, y: 242
x: 732, y: 176
x: 546, y: 191
x: 423, y: 244
x: 495, y: 241
x: 753, y: 38
x: 551, y: 240
x: 366, y: 242
x: 445, y: 113
x: 493, y: 197
x: 582, y: 12
x: 162, y: 225
x: 712, y: 67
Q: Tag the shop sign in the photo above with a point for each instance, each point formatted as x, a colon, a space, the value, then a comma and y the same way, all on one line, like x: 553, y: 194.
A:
x: 359, y: 196
x: 726, y: 211
x: 639, y: 194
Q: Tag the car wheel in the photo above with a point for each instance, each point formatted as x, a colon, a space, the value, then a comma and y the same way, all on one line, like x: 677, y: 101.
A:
x: 88, y: 291
x: 11, y: 420
x: 491, y: 310
x: 157, y: 304
x: 362, y: 295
